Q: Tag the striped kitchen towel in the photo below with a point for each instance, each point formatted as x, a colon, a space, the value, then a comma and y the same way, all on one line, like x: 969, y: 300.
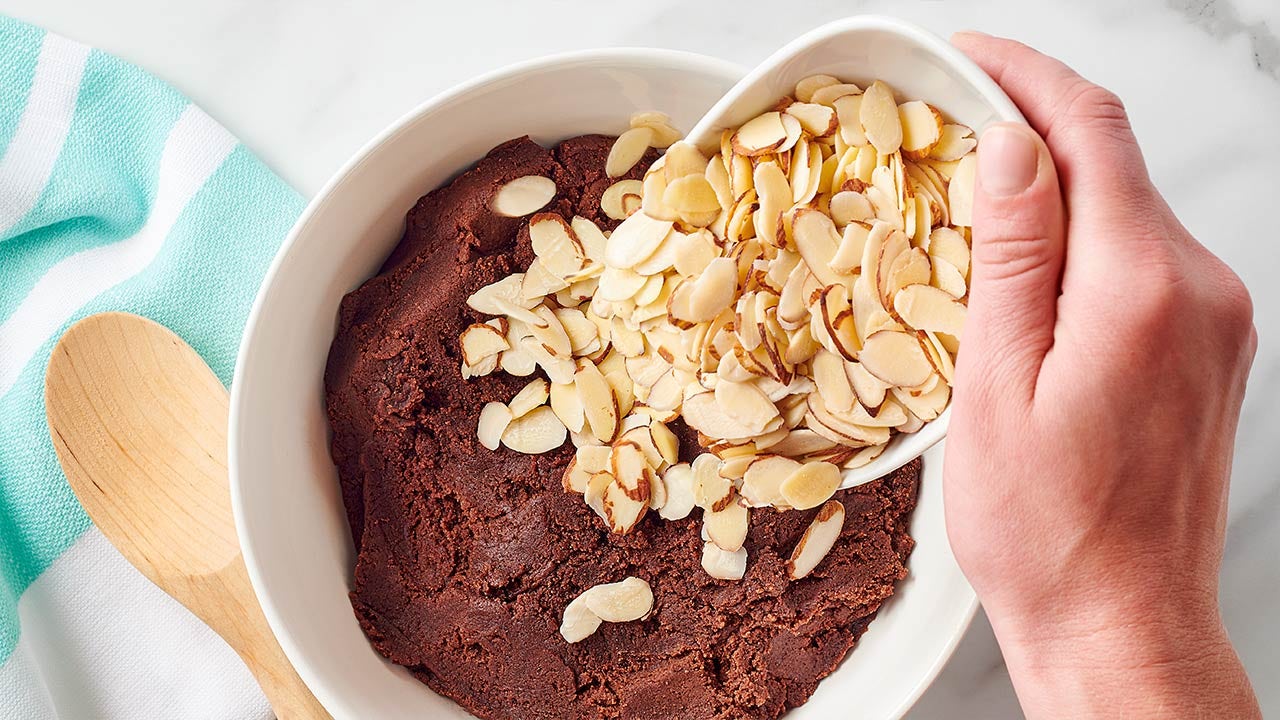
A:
x: 116, y: 193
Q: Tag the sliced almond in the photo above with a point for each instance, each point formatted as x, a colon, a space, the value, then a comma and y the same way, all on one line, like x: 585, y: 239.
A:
x: 480, y: 368
x: 909, y: 268
x: 924, y: 307
x: 761, y: 135
x: 494, y: 419
x: 599, y: 405
x: 666, y: 441
x: 611, y: 200
x: 831, y: 93
x: 678, y: 481
x: 635, y: 240
x: 960, y: 191
x: 578, y: 623
x: 630, y: 599
x: 848, y: 115
x: 762, y: 481
x: 727, y: 526
x: 879, y: 117
x: 627, y: 151
x: 713, y: 290
x: 567, y: 405
x: 587, y: 461
x: 626, y: 501
x: 848, y: 206
x: 693, y: 199
x: 896, y: 358
x: 951, y: 246
x: 811, y: 84
x: 774, y: 194
x: 810, y: 485
x: 523, y: 196
x: 817, y: 120
x: 798, y: 443
x: 480, y: 341
x: 832, y: 382
x: 536, y: 432
x: 530, y: 396
x: 817, y: 541
x: 683, y: 159
x: 723, y: 565
x: 817, y: 240
x: 955, y: 142
x: 869, y: 388
x: 746, y: 405
x: 711, y: 490
x: 921, y: 127
x: 947, y: 278
x: 664, y: 132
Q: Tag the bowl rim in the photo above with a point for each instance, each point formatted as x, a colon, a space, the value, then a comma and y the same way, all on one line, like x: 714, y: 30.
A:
x: 635, y: 55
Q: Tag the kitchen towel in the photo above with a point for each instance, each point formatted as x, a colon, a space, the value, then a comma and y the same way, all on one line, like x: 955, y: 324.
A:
x: 116, y: 193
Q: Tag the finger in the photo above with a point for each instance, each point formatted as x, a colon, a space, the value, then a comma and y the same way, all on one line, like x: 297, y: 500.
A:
x: 1087, y: 131
x: 1019, y: 229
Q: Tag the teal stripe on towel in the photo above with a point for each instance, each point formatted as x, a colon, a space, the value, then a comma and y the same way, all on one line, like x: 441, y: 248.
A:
x: 104, y: 181
x: 19, y: 49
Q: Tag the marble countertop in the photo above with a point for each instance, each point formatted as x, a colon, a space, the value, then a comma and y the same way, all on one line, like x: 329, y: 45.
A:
x: 305, y: 83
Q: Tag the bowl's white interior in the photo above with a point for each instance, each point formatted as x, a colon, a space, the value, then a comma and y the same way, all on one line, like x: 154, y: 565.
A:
x: 284, y: 486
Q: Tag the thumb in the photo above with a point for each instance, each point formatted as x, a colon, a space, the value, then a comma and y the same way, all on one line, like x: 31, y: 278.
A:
x: 1018, y: 245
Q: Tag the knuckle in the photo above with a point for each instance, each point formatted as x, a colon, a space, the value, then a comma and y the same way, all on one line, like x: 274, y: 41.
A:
x: 1093, y: 108
x: 1157, y: 306
x: 1234, y: 303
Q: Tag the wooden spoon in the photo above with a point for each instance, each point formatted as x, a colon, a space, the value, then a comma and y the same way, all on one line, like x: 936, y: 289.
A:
x: 139, y: 423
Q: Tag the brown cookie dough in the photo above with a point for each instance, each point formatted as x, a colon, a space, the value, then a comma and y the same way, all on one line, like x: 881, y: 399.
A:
x: 467, y: 557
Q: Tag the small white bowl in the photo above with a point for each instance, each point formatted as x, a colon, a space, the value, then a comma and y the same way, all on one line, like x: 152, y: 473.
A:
x: 919, y: 66
x: 284, y: 487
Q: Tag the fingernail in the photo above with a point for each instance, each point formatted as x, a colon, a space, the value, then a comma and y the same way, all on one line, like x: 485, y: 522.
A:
x: 1007, y: 161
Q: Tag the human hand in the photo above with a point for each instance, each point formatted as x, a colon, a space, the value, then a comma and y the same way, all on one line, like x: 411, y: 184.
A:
x: 1096, y: 400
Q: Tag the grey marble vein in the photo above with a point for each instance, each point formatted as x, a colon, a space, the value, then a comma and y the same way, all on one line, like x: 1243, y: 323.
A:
x: 1220, y: 19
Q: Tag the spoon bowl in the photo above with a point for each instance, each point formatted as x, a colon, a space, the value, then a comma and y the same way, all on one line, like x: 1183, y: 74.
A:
x: 917, y: 64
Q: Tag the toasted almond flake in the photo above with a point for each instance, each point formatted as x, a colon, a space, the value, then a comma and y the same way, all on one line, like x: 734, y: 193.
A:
x: 494, y: 419
x: 480, y: 341
x: 611, y: 200
x: 817, y: 541
x: 947, y: 278
x: 879, y: 117
x: 954, y: 143
x: 921, y: 127
x: 762, y: 481
x: 960, y: 191
x: 727, y: 526
x: 924, y: 307
x: 630, y: 599
x: 761, y: 135
x: 817, y: 120
x: 723, y: 565
x: 536, y: 432
x: 627, y: 151
x: 896, y: 358
x: 523, y: 196
x: 810, y: 485
x: 811, y: 84
x: 578, y: 623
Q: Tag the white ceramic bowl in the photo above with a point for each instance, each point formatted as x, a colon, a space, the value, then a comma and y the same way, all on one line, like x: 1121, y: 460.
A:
x: 284, y: 486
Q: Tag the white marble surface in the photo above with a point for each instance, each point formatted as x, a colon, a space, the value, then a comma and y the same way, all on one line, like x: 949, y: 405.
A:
x: 305, y: 82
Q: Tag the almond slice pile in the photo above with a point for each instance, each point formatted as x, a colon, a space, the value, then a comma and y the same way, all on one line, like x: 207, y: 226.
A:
x: 797, y: 298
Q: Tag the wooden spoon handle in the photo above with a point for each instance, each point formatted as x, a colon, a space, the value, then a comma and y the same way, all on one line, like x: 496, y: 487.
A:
x: 245, y: 629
